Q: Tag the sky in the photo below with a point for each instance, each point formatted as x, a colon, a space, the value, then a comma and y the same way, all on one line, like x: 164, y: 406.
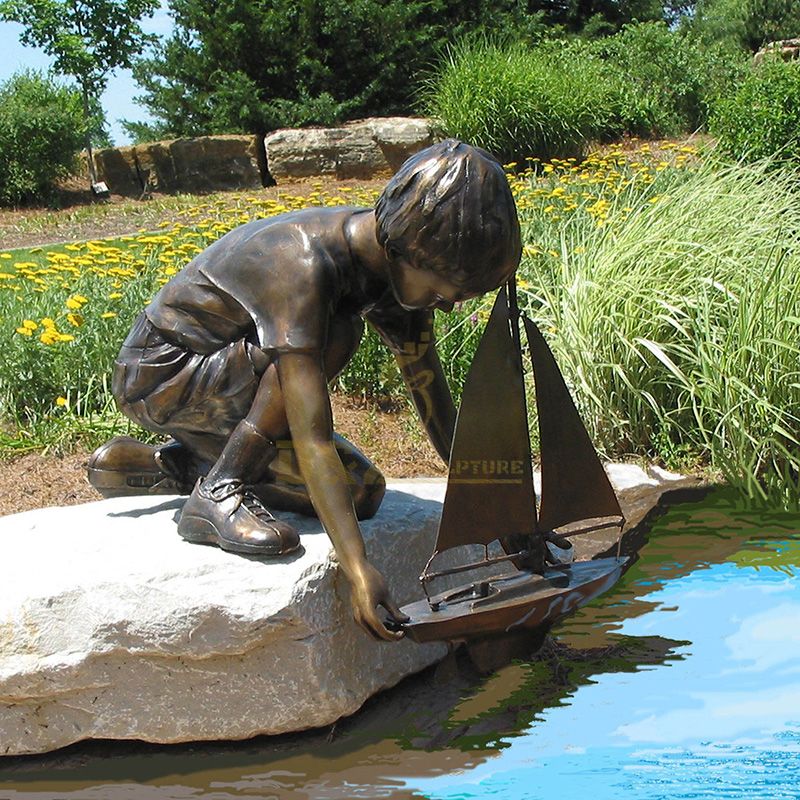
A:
x: 117, y: 100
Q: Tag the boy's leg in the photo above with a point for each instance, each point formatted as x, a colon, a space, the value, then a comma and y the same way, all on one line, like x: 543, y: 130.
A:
x: 284, y: 488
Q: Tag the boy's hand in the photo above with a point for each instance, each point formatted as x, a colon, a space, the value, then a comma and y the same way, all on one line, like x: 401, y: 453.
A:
x: 369, y: 591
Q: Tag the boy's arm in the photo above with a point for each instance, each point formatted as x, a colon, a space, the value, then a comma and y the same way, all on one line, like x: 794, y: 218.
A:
x: 305, y: 393
x: 411, y: 340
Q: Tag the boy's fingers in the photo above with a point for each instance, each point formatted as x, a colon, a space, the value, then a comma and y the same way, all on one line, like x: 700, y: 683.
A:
x: 379, y: 630
x: 394, y: 611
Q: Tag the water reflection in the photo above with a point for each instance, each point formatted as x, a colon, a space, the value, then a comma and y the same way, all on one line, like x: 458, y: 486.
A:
x: 682, y: 682
x: 721, y: 718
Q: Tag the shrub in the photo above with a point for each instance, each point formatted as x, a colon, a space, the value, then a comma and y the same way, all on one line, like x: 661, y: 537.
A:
x: 41, y: 130
x: 518, y: 102
x: 760, y: 119
x: 670, y: 78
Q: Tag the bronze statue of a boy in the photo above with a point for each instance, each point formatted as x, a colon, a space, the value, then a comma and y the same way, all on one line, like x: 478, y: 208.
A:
x: 233, y: 357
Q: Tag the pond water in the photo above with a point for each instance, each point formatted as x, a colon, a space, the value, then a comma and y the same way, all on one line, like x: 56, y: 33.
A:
x: 682, y: 682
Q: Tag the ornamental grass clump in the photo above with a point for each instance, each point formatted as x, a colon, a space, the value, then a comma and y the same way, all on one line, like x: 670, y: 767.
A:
x: 670, y: 298
x: 516, y: 101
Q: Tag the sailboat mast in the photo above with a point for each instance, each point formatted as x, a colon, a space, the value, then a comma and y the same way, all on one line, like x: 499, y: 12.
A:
x: 513, y: 313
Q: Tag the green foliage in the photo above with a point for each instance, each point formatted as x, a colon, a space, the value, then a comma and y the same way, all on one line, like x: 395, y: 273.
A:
x: 551, y: 99
x: 671, y: 78
x: 675, y: 328
x: 325, y: 60
x: 86, y: 38
x: 518, y: 101
x: 41, y: 129
x: 600, y: 17
x: 747, y: 24
x: 760, y: 119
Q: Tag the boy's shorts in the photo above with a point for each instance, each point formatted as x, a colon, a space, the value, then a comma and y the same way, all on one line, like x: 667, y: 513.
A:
x: 169, y: 389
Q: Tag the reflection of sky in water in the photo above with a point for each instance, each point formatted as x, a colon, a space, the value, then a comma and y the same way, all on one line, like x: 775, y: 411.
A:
x: 723, y: 722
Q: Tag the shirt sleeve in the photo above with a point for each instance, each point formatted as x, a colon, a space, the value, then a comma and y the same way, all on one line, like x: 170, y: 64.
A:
x: 289, y: 303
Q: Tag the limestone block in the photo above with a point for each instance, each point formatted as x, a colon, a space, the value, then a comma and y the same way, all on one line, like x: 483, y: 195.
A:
x: 202, y: 164
x: 211, y: 163
x: 362, y: 149
x: 156, y: 168
x: 118, y: 169
x: 785, y: 49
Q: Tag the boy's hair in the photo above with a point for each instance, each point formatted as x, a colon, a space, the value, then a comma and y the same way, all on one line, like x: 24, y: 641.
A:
x: 449, y: 209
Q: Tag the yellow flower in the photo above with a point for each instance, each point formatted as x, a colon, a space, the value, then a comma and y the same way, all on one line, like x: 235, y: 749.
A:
x: 76, y: 301
x: 50, y: 336
x: 5, y: 255
x: 115, y: 295
x: 24, y: 331
x: 75, y: 320
x: 29, y: 324
x: 48, y: 322
x: 108, y: 314
x: 62, y: 401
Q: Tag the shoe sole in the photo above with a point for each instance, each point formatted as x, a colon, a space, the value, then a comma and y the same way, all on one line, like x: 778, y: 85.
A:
x: 112, y: 483
x: 200, y: 531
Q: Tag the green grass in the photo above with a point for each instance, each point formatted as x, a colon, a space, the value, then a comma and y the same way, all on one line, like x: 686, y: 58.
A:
x: 676, y: 320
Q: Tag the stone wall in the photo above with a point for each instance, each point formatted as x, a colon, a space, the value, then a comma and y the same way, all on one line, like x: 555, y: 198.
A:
x: 203, y: 164
x: 363, y: 149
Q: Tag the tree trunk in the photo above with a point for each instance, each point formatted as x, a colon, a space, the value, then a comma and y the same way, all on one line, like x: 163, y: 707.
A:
x: 87, y: 118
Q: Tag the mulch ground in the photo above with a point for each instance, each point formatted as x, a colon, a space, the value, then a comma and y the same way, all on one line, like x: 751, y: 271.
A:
x: 391, y: 438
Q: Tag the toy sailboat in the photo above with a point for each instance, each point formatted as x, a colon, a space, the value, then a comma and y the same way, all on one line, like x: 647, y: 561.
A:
x: 490, y: 496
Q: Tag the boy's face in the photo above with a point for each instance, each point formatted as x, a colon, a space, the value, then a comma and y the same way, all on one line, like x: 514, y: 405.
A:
x: 421, y: 288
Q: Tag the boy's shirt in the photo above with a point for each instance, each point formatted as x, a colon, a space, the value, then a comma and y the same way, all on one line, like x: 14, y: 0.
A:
x: 283, y: 278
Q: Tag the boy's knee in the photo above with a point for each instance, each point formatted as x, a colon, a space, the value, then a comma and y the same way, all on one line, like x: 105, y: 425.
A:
x: 367, y: 496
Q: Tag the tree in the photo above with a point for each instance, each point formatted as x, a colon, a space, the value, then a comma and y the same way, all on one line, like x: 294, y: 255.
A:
x: 87, y: 40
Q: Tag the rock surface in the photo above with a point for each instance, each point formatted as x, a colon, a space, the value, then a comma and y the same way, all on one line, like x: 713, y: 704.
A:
x: 203, y: 164
x: 363, y: 149
x: 785, y: 49
x: 113, y: 627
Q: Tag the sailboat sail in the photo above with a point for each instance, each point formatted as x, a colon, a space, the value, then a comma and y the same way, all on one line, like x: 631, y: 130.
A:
x: 574, y: 483
x: 490, y: 485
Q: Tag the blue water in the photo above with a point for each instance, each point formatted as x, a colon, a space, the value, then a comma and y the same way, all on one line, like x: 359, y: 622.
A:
x: 720, y: 720
x: 682, y: 682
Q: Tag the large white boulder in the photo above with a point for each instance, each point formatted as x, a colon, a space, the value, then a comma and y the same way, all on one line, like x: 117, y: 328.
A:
x: 111, y: 626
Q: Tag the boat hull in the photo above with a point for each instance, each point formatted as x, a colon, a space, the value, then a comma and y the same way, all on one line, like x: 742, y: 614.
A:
x: 507, y: 604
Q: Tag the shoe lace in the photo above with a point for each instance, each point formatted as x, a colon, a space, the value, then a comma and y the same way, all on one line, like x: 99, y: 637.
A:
x: 233, y: 487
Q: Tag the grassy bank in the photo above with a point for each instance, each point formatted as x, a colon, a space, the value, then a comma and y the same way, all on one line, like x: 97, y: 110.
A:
x: 666, y: 284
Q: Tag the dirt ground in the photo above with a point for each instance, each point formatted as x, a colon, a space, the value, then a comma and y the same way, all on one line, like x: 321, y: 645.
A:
x: 391, y: 438
x: 77, y: 216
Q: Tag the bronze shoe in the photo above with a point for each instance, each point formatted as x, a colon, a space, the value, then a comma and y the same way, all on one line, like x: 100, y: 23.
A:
x: 124, y: 466
x: 228, y: 514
